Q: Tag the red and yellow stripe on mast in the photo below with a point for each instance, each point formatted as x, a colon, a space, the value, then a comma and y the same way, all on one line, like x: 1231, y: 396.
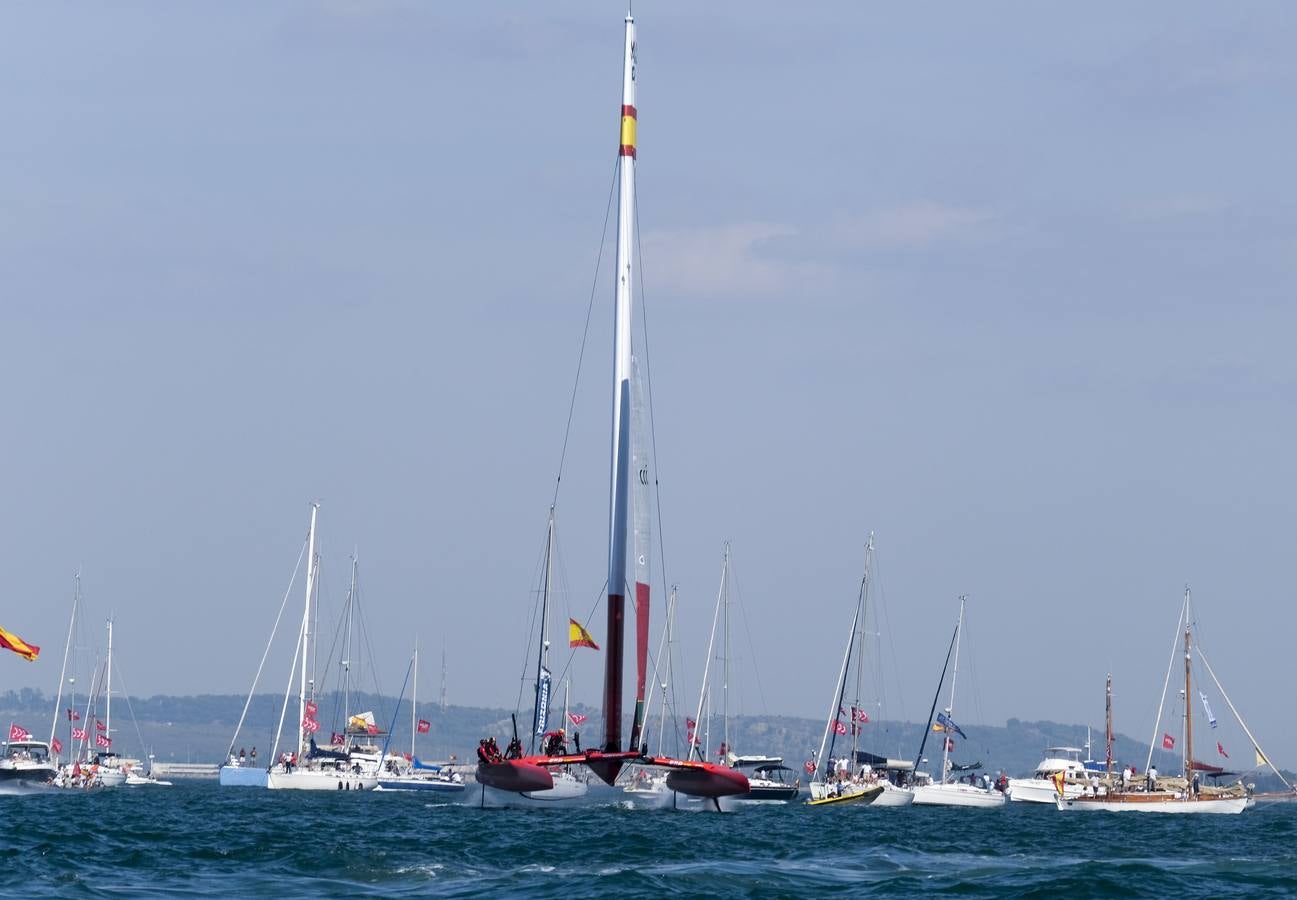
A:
x: 627, y: 130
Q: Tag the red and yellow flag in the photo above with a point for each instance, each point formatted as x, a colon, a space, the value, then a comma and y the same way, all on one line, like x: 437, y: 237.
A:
x: 577, y: 636
x: 11, y: 641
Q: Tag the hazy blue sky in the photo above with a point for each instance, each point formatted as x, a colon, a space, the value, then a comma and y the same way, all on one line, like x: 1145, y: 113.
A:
x: 1010, y: 284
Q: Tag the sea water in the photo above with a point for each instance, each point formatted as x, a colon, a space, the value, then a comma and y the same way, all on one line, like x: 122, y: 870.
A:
x: 200, y: 840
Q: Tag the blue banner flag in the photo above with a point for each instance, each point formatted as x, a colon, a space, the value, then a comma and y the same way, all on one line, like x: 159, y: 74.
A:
x: 1206, y: 706
x: 542, y: 702
x: 948, y: 724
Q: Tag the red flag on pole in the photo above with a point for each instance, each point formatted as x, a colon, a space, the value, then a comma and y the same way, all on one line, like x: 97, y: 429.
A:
x: 1168, y: 742
x: 74, y: 716
x: 839, y: 728
x: 100, y: 726
x: 102, y: 741
x: 1221, y: 750
x: 424, y: 726
x: 56, y: 745
x: 78, y: 734
x: 577, y: 718
x: 18, y: 733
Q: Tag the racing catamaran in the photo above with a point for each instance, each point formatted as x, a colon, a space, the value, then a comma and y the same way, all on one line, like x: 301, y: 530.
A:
x: 534, y: 773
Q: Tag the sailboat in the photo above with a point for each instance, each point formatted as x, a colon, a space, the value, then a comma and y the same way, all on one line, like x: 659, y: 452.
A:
x: 949, y: 791
x: 1183, y: 795
x: 306, y: 768
x: 412, y: 774
x: 767, y: 776
x: 568, y: 783
x: 527, y: 774
x: 836, y: 780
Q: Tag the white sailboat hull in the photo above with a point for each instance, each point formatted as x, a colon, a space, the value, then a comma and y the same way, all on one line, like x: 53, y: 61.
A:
x: 894, y: 796
x: 112, y: 777
x: 1040, y: 790
x: 568, y: 790
x: 299, y: 780
x: 420, y: 783
x: 1145, y: 803
x: 957, y: 795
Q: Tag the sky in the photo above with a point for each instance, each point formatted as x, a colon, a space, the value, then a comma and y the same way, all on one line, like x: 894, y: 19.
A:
x: 1009, y: 286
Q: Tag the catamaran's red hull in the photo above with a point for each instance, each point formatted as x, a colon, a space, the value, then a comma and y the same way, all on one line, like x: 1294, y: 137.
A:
x: 700, y: 779
x: 516, y: 775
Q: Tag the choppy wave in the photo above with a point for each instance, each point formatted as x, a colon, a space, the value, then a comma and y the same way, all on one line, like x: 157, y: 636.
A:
x: 199, y: 840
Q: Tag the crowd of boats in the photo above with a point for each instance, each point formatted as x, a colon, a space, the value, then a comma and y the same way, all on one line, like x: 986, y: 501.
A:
x: 545, y: 765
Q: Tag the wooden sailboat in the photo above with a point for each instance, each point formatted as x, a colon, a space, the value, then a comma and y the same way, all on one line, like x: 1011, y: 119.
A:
x: 1159, y: 797
x: 535, y: 773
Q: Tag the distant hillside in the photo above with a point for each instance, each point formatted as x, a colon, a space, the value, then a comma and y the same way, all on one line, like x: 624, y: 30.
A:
x: 199, y: 729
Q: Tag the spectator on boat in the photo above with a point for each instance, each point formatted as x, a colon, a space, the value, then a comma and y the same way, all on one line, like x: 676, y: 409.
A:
x: 1094, y: 785
x: 1196, y: 785
x: 242, y: 754
x: 253, y: 754
x: 1125, y: 779
x: 1152, y: 778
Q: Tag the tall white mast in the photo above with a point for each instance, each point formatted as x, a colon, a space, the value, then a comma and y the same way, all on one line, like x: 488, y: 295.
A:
x: 662, y: 717
x: 950, y: 710
x: 725, y: 670
x: 306, y: 633
x: 414, y: 700
x: 347, y: 646
x: 67, y: 649
x: 703, y: 692
x: 621, y: 451
x: 540, y: 715
x: 108, y: 687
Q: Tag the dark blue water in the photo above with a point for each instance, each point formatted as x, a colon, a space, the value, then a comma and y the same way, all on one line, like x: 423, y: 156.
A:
x: 197, y: 839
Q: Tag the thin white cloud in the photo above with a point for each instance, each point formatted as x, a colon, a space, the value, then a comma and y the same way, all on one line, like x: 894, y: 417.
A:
x: 738, y: 258
x: 912, y: 226
x: 767, y: 258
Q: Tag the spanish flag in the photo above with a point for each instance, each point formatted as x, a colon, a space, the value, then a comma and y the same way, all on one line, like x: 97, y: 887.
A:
x: 11, y: 641
x: 577, y: 636
x: 1059, y: 778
